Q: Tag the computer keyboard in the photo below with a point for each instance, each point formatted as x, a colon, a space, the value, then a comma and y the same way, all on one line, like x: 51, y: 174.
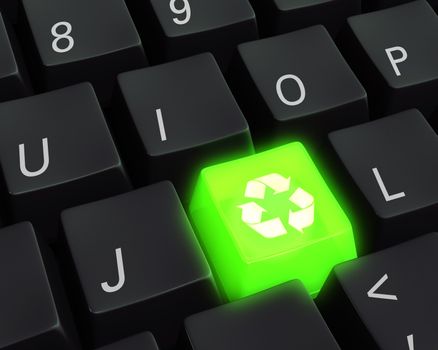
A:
x: 218, y: 174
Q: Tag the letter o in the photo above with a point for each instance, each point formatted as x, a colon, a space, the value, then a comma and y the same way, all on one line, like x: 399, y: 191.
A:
x: 300, y: 85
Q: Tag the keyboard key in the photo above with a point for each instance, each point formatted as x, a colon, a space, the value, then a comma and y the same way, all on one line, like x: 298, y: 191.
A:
x: 394, y: 53
x: 283, y: 317
x: 269, y: 218
x: 9, y: 9
x: 34, y: 314
x: 182, y: 116
x: 142, y: 341
x: 56, y: 151
x: 286, y: 86
x: 372, y: 5
x: 14, y: 81
x: 283, y: 16
x: 181, y: 28
x: 385, y: 300
x: 393, y: 164
x: 83, y: 40
x: 138, y: 263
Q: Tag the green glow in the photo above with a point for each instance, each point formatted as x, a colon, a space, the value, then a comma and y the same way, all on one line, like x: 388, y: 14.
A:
x: 300, y: 233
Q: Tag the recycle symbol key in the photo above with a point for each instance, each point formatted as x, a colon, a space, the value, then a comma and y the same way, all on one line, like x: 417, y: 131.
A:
x: 252, y: 213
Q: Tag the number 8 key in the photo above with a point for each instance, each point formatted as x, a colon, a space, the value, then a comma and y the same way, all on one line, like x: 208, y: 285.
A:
x: 81, y: 40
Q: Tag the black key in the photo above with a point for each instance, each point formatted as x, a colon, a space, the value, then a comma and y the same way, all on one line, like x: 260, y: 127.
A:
x: 82, y: 40
x: 283, y: 16
x: 9, y: 8
x: 34, y: 315
x: 394, y: 166
x: 181, y: 116
x: 283, y: 317
x: 138, y: 263
x: 394, y: 53
x: 181, y: 28
x: 142, y: 341
x: 372, y: 5
x: 14, y: 81
x: 385, y: 300
x: 56, y: 151
x: 288, y: 86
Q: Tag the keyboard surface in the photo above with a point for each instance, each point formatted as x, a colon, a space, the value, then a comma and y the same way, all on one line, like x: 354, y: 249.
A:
x: 218, y: 174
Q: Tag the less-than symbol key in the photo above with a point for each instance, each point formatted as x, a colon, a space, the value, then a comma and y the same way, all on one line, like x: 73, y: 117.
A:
x: 372, y: 292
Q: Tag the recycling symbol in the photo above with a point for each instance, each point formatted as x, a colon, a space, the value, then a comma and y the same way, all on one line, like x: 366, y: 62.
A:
x: 252, y: 213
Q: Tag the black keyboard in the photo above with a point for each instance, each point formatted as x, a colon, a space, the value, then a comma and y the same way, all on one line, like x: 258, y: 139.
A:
x: 218, y: 174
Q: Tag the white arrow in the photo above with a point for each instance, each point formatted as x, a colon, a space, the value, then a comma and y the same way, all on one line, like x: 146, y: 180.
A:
x: 271, y: 228
x: 251, y: 213
x: 411, y: 342
x: 304, y: 217
x: 277, y: 182
x: 372, y: 292
x: 255, y: 189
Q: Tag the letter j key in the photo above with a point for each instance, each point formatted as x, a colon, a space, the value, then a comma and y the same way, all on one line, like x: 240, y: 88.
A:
x: 142, y: 269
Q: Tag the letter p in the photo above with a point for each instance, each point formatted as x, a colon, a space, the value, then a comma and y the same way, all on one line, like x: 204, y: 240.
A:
x: 394, y: 61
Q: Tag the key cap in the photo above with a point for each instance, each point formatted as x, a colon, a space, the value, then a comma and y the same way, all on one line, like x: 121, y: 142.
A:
x: 142, y: 341
x: 393, y: 165
x: 283, y: 16
x: 178, y: 117
x: 394, y: 51
x: 267, y: 219
x: 181, y: 28
x: 373, y: 5
x: 138, y: 263
x: 34, y: 315
x: 14, y: 81
x: 286, y: 86
x: 56, y: 151
x: 283, y: 317
x: 79, y: 40
x: 9, y: 8
x: 384, y: 300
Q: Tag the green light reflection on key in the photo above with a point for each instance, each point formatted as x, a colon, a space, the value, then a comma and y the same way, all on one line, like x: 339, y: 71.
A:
x: 267, y: 219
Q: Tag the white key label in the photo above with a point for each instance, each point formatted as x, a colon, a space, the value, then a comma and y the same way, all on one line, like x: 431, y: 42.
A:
x: 161, y: 127
x: 22, y: 156
x: 111, y: 289
x: 388, y: 197
x: 184, y: 10
x: 372, y: 292
x: 64, y: 36
x: 300, y: 84
x: 411, y: 342
x: 395, y: 61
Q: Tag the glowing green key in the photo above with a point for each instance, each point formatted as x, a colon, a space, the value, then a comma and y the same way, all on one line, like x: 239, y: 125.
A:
x: 267, y: 219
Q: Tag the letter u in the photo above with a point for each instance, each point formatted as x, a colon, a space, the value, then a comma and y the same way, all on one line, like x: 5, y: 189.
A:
x: 23, y: 167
